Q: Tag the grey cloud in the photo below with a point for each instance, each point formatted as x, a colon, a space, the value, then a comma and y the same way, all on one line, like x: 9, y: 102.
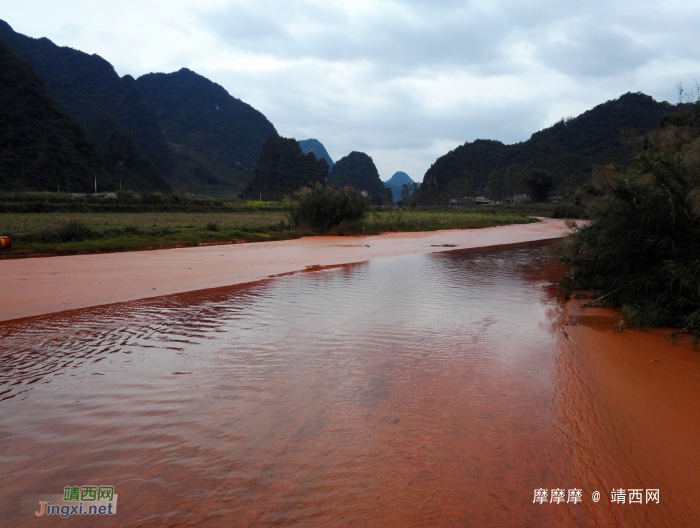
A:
x: 390, y: 35
x: 355, y: 80
x: 597, y: 52
x: 399, y: 36
x: 404, y: 80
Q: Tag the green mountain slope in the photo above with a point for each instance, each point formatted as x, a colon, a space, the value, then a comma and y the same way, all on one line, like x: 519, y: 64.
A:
x: 358, y: 171
x: 88, y: 88
x: 282, y: 169
x: 121, y: 158
x: 201, y: 120
x: 41, y: 146
x: 568, y: 150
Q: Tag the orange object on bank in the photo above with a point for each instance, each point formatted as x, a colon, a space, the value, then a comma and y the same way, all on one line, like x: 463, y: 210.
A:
x: 5, y: 242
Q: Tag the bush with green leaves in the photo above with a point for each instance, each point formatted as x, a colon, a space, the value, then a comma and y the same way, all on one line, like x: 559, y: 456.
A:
x: 641, y: 250
x: 323, y: 210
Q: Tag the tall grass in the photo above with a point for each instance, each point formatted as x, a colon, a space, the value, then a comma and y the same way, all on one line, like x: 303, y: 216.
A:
x: 641, y: 250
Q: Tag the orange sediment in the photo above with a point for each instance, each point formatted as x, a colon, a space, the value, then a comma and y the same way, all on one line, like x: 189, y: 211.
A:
x: 52, y: 284
x: 629, y: 404
x: 441, y: 390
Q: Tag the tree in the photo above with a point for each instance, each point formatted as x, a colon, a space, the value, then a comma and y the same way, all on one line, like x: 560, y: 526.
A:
x: 388, y: 196
x: 323, y: 165
x: 539, y: 182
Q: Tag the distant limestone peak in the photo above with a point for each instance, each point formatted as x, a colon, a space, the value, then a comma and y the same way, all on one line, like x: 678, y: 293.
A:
x: 398, y: 179
x: 315, y: 146
x: 396, y: 183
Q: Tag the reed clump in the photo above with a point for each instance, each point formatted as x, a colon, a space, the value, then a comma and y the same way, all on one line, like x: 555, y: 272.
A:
x: 641, y: 249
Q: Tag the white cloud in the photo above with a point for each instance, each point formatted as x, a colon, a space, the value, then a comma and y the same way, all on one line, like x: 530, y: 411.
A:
x: 404, y: 81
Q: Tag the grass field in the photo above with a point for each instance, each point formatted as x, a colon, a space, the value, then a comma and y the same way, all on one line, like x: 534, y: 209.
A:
x: 434, y: 219
x: 71, y: 233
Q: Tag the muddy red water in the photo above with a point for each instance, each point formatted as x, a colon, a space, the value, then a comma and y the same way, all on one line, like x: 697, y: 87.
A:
x: 424, y: 390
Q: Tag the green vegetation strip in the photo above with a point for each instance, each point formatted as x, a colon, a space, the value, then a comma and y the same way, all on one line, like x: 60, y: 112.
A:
x: 74, y: 233
x: 383, y: 222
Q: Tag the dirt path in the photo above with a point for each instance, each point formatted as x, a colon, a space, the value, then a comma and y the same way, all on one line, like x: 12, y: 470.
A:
x: 39, y: 286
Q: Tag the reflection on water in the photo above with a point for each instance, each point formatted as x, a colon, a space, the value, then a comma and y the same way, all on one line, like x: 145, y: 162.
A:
x: 402, y: 392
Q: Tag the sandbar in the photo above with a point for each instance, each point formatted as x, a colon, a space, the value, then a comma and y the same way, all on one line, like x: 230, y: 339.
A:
x: 38, y: 286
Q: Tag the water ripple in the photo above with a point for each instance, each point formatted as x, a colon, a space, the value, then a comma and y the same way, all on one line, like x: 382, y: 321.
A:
x: 315, y: 399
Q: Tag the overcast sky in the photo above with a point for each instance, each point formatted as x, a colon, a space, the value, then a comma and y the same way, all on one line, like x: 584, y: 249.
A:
x: 404, y: 81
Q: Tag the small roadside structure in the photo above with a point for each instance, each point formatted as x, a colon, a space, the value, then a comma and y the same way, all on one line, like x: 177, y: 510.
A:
x: 458, y: 202
x: 518, y: 199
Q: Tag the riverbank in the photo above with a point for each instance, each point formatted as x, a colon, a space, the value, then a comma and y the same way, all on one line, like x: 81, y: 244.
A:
x: 75, y: 233
x: 629, y: 406
x: 46, y: 285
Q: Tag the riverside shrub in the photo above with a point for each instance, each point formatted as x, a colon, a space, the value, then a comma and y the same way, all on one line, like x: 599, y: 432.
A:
x: 641, y: 250
x: 323, y: 210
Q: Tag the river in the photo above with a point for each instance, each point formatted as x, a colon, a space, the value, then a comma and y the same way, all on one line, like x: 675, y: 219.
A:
x: 420, y: 390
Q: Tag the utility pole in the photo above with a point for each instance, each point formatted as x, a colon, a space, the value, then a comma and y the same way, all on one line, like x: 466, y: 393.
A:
x: 95, y: 183
x: 120, y: 184
x: 261, y: 196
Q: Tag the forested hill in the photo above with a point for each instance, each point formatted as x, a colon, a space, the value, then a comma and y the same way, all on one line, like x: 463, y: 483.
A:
x: 568, y: 150
x: 282, y: 169
x: 88, y: 88
x: 202, y: 120
x: 358, y: 171
x: 315, y: 146
x: 210, y: 151
x: 41, y: 145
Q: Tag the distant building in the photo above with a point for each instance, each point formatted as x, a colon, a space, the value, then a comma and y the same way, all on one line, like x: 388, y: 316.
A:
x: 518, y: 199
x: 458, y: 202
x: 480, y: 200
